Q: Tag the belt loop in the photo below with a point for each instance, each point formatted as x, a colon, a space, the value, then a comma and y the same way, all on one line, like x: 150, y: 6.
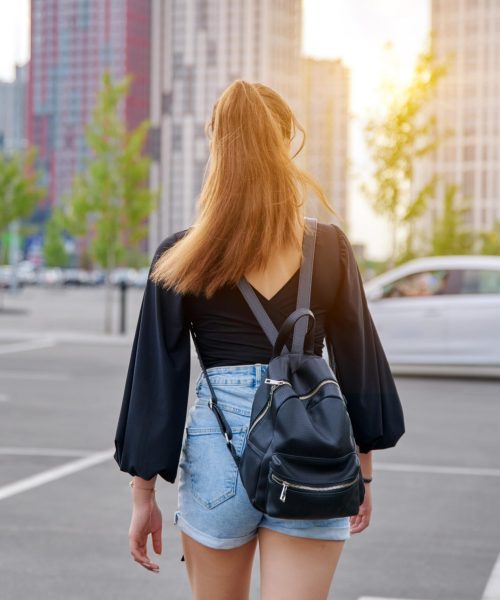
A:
x: 258, y: 373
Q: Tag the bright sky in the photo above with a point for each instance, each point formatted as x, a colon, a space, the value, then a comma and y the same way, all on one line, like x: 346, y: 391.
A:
x: 355, y: 30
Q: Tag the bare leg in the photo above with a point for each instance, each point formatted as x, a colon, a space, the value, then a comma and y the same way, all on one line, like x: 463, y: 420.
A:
x: 218, y: 574
x: 295, y: 568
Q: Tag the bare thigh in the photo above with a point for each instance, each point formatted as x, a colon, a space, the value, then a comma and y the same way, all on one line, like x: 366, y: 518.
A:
x: 294, y: 568
x: 218, y: 574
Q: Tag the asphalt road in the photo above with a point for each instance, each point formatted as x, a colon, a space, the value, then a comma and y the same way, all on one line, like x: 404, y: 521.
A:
x: 65, y: 506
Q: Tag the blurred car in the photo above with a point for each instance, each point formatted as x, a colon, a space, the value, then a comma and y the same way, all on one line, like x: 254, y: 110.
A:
x: 5, y: 276
x: 141, y: 277
x: 48, y: 276
x: 96, y: 277
x: 23, y: 276
x: 75, y: 277
x: 26, y: 273
x: 439, y: 310
x: 126, y: 274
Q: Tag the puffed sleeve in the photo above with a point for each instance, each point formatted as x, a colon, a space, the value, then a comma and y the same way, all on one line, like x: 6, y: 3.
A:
x: 361, y: 365
x: 151, y: 421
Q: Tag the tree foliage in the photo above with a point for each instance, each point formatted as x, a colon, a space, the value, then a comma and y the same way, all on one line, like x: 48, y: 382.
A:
x: 110, y: 199
x: 396, y: 141
x: 450, y: 234
x: 490, y: 240
x: 54, y: 252
x: 19, y: 190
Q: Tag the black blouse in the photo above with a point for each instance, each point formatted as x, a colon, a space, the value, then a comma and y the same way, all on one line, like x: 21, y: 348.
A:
x: 151, y: 422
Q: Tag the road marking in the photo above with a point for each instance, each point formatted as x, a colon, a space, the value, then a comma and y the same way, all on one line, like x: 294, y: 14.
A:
x: 381, y: 598
x: 492, y: 589
x: 62, y: 336
x: 438, y: 469
x: 12, y: 450
x: 69, y: 468
x: 26, y: 346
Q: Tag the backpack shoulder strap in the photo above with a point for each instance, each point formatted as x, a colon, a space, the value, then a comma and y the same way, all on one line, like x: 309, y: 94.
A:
x: 303, y: 296
x: 305, y: 284
x: 258, y: 310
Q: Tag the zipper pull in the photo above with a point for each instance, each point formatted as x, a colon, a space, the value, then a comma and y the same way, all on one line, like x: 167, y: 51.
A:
x: 274, y: 381
x: 283, y: 491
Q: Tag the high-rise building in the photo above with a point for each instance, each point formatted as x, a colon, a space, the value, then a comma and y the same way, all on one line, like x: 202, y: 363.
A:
x: 326, y: 121
x: 72, y: 44
x: 198, y: 49
x: 467, y: 108
x: 13, y: 111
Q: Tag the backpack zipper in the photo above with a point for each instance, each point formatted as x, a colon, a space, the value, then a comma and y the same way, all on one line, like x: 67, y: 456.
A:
x: 266, y: 407
x: 320, y: 385
x: 287, y: 484
x: 276, y: 382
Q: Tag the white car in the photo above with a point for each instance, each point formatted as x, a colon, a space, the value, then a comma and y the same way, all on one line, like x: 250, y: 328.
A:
x: 440, y: 311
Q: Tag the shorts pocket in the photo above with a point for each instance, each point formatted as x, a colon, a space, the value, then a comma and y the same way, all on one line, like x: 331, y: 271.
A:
x: 213, y: 472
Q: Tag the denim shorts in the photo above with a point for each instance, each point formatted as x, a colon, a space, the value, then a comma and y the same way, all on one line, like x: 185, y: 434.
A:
x: 213, y: 506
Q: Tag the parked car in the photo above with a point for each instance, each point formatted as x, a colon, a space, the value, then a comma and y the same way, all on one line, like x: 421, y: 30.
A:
x: 76, y: 277
x: 23, y: 276
x: 26, y: 273
x: 141, y: 277
x: 48, y: 276
x: 439, y: 310
x: 5, y: 276
x: 126, y: 274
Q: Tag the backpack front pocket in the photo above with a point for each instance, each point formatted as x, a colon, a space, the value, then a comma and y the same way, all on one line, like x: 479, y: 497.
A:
x: 320, y: 487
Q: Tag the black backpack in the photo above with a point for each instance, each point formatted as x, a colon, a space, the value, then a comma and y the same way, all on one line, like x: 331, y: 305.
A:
x: 299, y: 460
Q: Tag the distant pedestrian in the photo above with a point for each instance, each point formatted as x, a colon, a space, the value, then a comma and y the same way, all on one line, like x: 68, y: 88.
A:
x: 250, y: 223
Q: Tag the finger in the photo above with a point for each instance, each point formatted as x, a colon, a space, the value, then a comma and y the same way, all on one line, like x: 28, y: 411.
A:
x: 156, y: 536
x: 355, y: 520
x: 363, y: 524
x: 145, y: 561
x: 140, y: 554
x: 138, y: 551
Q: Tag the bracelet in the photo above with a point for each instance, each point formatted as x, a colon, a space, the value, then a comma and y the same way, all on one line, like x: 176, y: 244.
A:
x: 367, y: 479
x: 132, y: 485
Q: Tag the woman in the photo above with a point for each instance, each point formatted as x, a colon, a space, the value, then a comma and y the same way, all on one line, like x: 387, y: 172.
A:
x: 250, y: 224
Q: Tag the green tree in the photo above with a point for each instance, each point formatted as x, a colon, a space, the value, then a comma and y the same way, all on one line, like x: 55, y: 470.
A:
x: 396, y: 141
x: 19, y: 194
x: 19, y: 190
x: 490, y: 240
x: 450, y: 233
x: 110, y: 199
x: 54, y: 252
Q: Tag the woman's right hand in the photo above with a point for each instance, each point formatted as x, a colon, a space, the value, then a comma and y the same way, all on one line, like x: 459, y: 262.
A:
x: 361, y: 521
x: 146, y: 519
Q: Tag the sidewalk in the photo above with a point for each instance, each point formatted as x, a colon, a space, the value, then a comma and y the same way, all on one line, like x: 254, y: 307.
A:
x: 65, y: 314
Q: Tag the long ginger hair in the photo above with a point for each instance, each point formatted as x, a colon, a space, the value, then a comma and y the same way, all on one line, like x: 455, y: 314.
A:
x: 251, y: 200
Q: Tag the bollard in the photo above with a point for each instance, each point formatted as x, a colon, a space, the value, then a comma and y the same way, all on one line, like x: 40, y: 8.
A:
x: 123, y: 305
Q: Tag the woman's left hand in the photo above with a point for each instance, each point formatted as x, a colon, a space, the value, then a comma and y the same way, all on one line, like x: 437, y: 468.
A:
x: 362, y: 519
x: 146, y: 519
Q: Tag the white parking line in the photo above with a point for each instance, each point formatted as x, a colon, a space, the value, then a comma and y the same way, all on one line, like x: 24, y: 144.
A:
x: 492, y: 589
x: 13, y: 451
x: 381, y: 598
x: 69, y: 468
x: 437, y: 469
